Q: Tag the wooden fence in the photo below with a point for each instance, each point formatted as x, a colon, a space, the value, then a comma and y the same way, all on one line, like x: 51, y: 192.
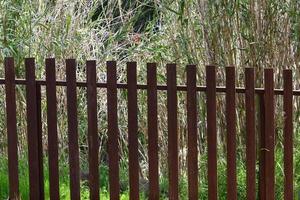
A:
x: 266, y: 121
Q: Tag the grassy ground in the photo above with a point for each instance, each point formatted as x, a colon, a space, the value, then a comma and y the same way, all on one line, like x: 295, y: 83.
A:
x: 64, y: 183
x: 64, y: 180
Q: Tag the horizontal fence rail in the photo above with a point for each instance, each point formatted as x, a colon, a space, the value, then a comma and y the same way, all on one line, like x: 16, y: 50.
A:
x: 219, y: 89
x: 266, y: 135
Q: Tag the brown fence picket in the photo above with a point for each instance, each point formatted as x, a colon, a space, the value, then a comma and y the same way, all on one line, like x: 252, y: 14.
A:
x: 52, y: 129
x: 192, y: 132
x: 132, y: 131
x: 32, y: 128
x: 231, y: 133
x: 172, y: 131
x: 73, y: 129
x: 269, y: 134
x: 262, y: 147
x: 40, y: 141
x: 250, y: 133
x: 93, y: 139
x: 152, y: 131
x: 113, y: 131
x: 11, y: 124
x: 211, y: 132
x: 288, y: 134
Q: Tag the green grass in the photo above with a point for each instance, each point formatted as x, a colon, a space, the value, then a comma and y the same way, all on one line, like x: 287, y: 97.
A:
x: 183, y: 186
x: 63, y: 180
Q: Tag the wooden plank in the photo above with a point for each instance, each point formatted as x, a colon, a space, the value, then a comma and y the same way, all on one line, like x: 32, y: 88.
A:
x: 132, y: 131
x: 262, y: 147
x: 231, y: 134
x: 32, y: 130
x: 192, y: 132
x: 73, y: 129
x: 172, y: 131
x: 288, y: 134
x: 269, y: 134
x: 52, y: 129
x: 11, y: 124
x: 93, y: 139
x: 40, y: 141
x: 152, y: 132
x: 113, y: 131
x: 211, y: 132
x: 250, y: 133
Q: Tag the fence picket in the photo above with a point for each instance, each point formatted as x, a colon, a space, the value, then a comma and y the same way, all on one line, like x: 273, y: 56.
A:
x: 11, y: 124
x: 93, y: 139
x: 40, y: 141
x: 192, y: 132
x: 172, y: 131
x: 132, y: 131
x: 32, y: 130
x: 73, y: 129
x: 262, y: 147
x: 152, y: 131
x: 269, y: 134
x: 113, y: 131
x: 231, y: 134
x: 250, y: 133
x: 288, y: 134
x: 211, y: 132
x: 52, y: 128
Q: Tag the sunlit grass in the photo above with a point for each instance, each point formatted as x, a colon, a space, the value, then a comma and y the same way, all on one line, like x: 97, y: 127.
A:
x: 183, y: 186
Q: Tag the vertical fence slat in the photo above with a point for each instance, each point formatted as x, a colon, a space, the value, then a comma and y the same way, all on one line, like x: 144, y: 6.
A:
x: 192, y: 132
x: 11, y: 124
x: 52, y: 128
x: 211, y: 132
x: 33, y: 157
x: 262, y: 146
x: 152, y: 131
x: 93, y: 139
x: 250, y: 133
x: 73, y: 129
x: 269, y: 134
x: 113, y: 131
x: 132, y: 131
x: 288, y: 134
x: 40, y: 140
x: 231, y: 133
x: 172, y: 131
